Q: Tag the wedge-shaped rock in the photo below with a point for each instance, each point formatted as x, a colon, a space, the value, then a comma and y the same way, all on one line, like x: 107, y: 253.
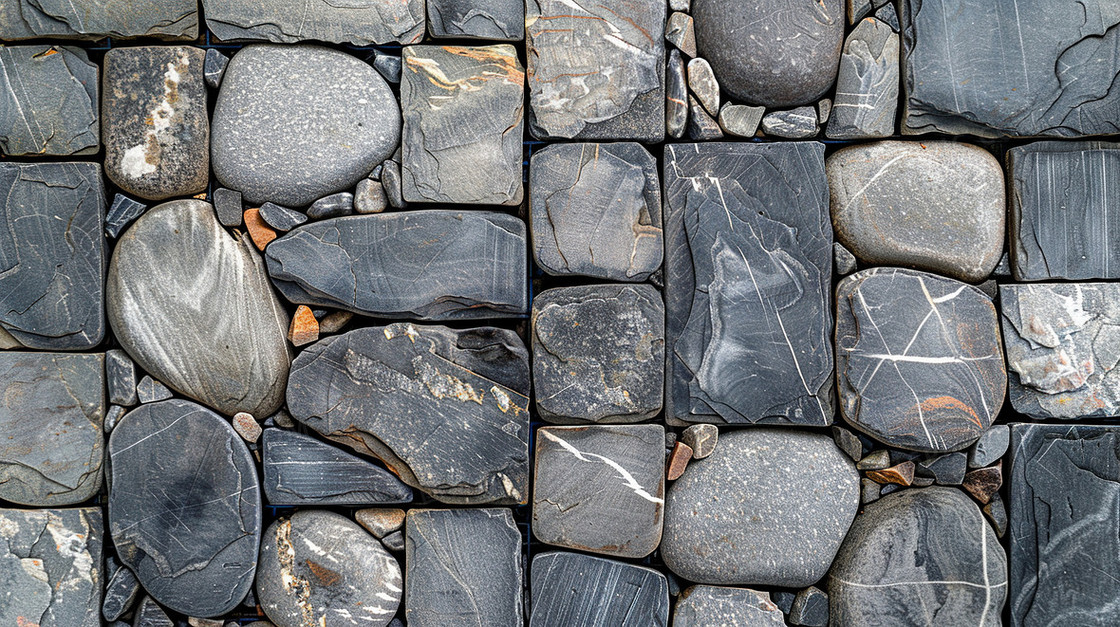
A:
x: 96, y: 19
x: 430, y: 264
x: 502, y: 20
x: 445, y: 409
x: 748, y: 277
x: 700, y: 606
x: 48, y: 101
x: 362, y: 23
x: 867, y: 87
x: 576, y: 590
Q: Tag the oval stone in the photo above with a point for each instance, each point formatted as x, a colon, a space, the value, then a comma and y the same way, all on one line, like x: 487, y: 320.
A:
x: 193, y: 306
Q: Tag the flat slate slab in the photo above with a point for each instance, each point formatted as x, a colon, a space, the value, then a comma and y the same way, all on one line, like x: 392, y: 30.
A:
x: 747, y: 238
x: 83, y: 19
x: 362, y: 23
x: 577, y: 590
x: 866, y: 97
x: 711, y: 606
x: 501, y: 20
x: 48, y: 101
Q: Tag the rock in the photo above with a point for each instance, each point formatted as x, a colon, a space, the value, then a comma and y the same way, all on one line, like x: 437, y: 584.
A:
x: 824, y: 110
x: 595, y: 210
x: 596, y: 72
x: 680, y: 32
x: 575, y: 590
x: 701, y: 126
x: 246, y: 426
x: 388, y: 66
x: 769, y: 507
x: 990, y: 447
x: 369, y: 197
x: 875, y: 460
x: 867, y: 84
x: 446, y: 410
x: 304, y: 328
x: 740, y: 120
x: 227, y: 203
x: 676, y: 96
x: 799, y: 123
x: 153, y: 116
x: 917, y: 556
x: 122, y: 213
x: 150, y: 614
x: 463, y: 121
x: 702, y: 83
x: 317, y: 562
x: 869, y: 491
x: 391, y: 181
x: 296, y: 123
x: 888, y: 15
x: 770, y: 197
x: 281, y: 218
x: 679, y: 456
x: 359, y: 23
x: 394, y: 542
x: 810, y: 608
x: 120, y: 378
x: 119, y: 19
x: 982, y: 484
x: 121, y: 591
x: 858, y: 9
x: 52, y: 255
x: 300, y: 470
x: 936, y: 206
x: 54, y: 111
x: 997, y: 514
x: 380, y: 521
x: 843, y: 261
x: 702, y: 439
x: 261, y: 234
x: 431, y: 264
x: 149, y: 390
x: 680, y: 5
x: 946, y: 469
x: 334, y: 321
x: 214, y: 67
x: 787, y: 57
x: 115, y: 413
x: 185, y: 508
x: 502, y: 20
x: 233, y: 356
x: 900, y: 474
x: 848, y: 442
x: 704, y: 606
x: 333, y: 206
x: 930, y: 377
x: 464, y: 567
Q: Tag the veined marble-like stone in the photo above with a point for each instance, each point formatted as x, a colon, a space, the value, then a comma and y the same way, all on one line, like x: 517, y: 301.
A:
x: 576, y: 590
x: 96, y: 19
x: 48, y: 101
x: 867, y: 85
x: 502, y: 20
x: 361, y: 22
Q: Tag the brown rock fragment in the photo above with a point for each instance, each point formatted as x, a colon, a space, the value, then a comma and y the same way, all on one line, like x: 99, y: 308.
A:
x: 901, y: 474
x: 380, y: 521
x: 246, y: 426
x: 261, y: 233
x: 678, y: 460
x: 985, y: 482
x: 304, y: 328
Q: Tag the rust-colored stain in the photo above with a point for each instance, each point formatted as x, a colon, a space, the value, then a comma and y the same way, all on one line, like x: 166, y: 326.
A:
x: 326, y: 576
x: 948, y: 403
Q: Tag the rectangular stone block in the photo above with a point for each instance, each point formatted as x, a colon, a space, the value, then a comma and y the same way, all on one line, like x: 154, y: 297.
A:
x: 95, y: 19
x: 48, y: 101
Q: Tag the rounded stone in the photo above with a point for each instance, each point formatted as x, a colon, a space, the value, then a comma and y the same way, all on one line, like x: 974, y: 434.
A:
x: 918, y: 557
x: 769, y: 507
x: 295, y: 123
x: 775, y: 53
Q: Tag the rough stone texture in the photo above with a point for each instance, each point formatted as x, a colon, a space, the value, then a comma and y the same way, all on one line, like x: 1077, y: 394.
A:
x: 867, y: 84
x: 296, y: 123
x: 281, y: 218
x: 185, y: 506
x: 463, y: 119
x: 214, y: 67
x: 598, y: 353
x: 768, y: 507
x: 596, y: 71
x: 149, y: 390
x: 85, y: 19
x: 574, y: 590
x: 52, y: 255
x: 810, y: 608
x: 990, y: 447
x: 446, y: 410
x: 715, y: 606
x: 595, y: 210
x: 702, y: 439
x: 799, y: 123
x: 464, y: 568
x: 431, y: 264
x: 122, y: 213
x: 387, y: 65
x: 362, y: 23
x: 740, y: 120
x: 231, y: 355
x: 227, y: 203
x: 121, y: 589
x: 966, y: 71
x: 701, y: 126
x: 918, y: 358
x: 916, y: 557
x: 777, y: 54
x: 150, y: 614
x: 48, y: 101
x: 380, y: 521
x: 502, y: 20
x: 702, y: 83
x: 52, y: 447
x: 936, y: 206
x: 747, y: 240
x: 120, y: 378
x: 676, y: 96
x: 369, y: 197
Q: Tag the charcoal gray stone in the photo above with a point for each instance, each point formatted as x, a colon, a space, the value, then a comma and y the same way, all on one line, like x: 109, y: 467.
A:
x: 502, y: 20
x: 848, y: 442
x: 715, y: 606
x: 446, y: 410
x: 945, y: 469
x: 431, y: 264
x: 281, y: 218
x: 740, y: 120
x: 112, y: 417
x: 858, y: 9
x: 153, y: 121
x: 464, y: 568
x: 150, y: 614
x: 149, y: 390
x: 990, y: 447
x: 867, y: 84
x: 369, y: 197
x: 119, y: 19
x: 227, y: 203
x: 680, y: 32
x: 232, y: 355
x: 122, y: 213
x: 810, y: 608
x: 768, y: 507
x: 391, y: 181
x: 733, y: 211
x: 394, y: 542
x: 676, y: 96
x: 889, y: 16
x: 996, y: 512
x: 919, y: 556
x: 843, y: 261
x: 701, y: 126
x: 48, y: 101
x: 296, y: 123
x: 52, y: 255
x: 214, y: 67
x: 388, y: 66
x: 185, y: 506
x: 121, y: 591
x: 360, y: 23
x: 333, y: 206
x: 598, y: 353
x: 575, y: 590
x: 799, y: 123
x: 596, y: 72
x: 788, y: 55
x: 702, y: 83
x: 463, y: 121
x: 120, y: 377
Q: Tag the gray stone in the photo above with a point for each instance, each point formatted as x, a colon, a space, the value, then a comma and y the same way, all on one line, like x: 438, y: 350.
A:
x: 919, y: 556
x: 996, y: 513
x: 702, y: 83
x: 394, y: 542
x: 120, y: 377
x: 122, y: 213
x: 769, y: 507
x: 388, y: 66
x: 391, y: 182
x: 227, y: 203
x: 333, y: 206
x: 149, y: 390
x: 740, y: 120
x: 680, y: 5
x: 944, y: 469
x: 717, y: 606
x: 502, y: 20
x: 369, y: 197
x: 52, y: 255
x: 115, y: 413
x: 702, y: 439
x: 153, y: 119
x: 296, y: 123
x: 214, y: 67
x: 595, y: 210
x: 361, y: 23
x: 281, y: 218
x: 824, y: 110
x: 676, y: 96
x: 848, y: 442
x: 843, y: 261
x: 464, y: 568
x: 150, y: 614
x: 431, y: 264
x: 185, y: 506
x: 888, y: 15
x: 48, y: 101
x: 990, y: 447
x: 869, y: 491
x: 810, y: 608
x: 381, y: 521
x: 701, y: 126
x: 867, y: 84
x: 575, y: 590
x: 680, y: 32
x: 799, y: 123
x: 121, y: 591
x: 730, y: 209
x: 463, y: 119
x: 936, y: 206
x: 875, y: 460
x: 119, y: 19
x: 857, y: 10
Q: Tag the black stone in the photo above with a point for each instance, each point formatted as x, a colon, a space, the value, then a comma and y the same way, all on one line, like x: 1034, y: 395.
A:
x: 214, y: 67
x: 150, y: 614
x: 810, y: 608
x: 502, y: 20
x: 150, y: 390
x: 227, y: 203
x: 391, y: 181
x: 119, y: 19
x: 333, y: 206
x: 676, y: 96
x: 867, y: 85
x: 574, y: 590
x: 281, y: 218
x: 121, y: 214
x: 48, y: 101
x: 990, y: 447
x: 945, y: 469
x: 784, y: 600
x: 701, y: 126
x: 388, y: 66
x: 120, y: 378
x: 120, y: 591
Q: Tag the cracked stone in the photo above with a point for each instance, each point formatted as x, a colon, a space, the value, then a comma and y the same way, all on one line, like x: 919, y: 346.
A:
x: 122, y: 213
x: 799, y: 123
x: 867, y: 85
x: 281, y: 218
x: 676, y: 96
x: 740, y: 120
x: 947, y: 469
x: 604, y: 591
x: 502, y: 20
x: 810, y: 608
x: 982, y: 484
x: 361, y: 23
x: 119, y: 19
x: 120, y: 378
x: 707, y: 606
x: 55, y: 109
x: 333, y: 206
x: 702, y: 439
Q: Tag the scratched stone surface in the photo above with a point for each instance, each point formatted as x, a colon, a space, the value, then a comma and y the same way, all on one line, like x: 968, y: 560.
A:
x: 446, y: 410
x: 596, y: 70
x: 463, y: 119
x: 718, y: 606
x: 500, y: 20
x: 577, y: 590
x: 464, y: 568
x: 1023, y: 68
x: 48, y: 101
x: 748, y: 239
x: 96, y: 19
x: 357, y: 22
x: 866, y: 100
x: 917, y: 557
x: 426, y: 264
x: 184, y: 506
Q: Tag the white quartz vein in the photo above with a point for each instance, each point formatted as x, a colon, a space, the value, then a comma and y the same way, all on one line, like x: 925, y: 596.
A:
x: 627, y: 478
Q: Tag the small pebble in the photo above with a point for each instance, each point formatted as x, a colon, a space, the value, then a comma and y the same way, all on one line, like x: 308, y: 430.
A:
x: 848, y: 442
x: 380, y: 521
x: 868, y: 491
x: 149, y: 390
x: 283, y: 419
x: 680, y: 32
x: 678, y: 460
x: 369, y: 197
x: 946, y: 469
x: 799, y: 123
x: 333, y: 206
x: 740, y: 120
x: 702, y: 438
x: 810, y: 608
x: 680, y: 5
x: 824, y: 110
x: 843, y: 261
x: 701, y: 126
x: 334, y: 321
x: 394, y: 541
x: 902, y: 474
x: 227, y: 203
x: 997, y: 514
x: 120, y: 374
x: 875, y: 460
x: 112, y: 417
x: 120, y: 591
x: 214, y: 67
x: 150, y: 614
x: 702, y: 82
x: 121, y: 214
x: 281, y: 218
x: 304, y: 328
x: 990, y: 447
x: 246, y: 426
x: 260, y: 232
x: 388, y: 65
x: 984, y: 483
x: 784, y: 600
x: 194, y: 621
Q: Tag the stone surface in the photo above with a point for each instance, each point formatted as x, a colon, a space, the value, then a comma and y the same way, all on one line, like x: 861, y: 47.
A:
x: 112, y: 417
x: 120, y: 378
x: 430, y: 264
x: 333, y: 206
x: 259, y: 231
x: 149, y: 390
x: 361, y: 23
x: 122, y: 213
x: 676, y: 96
x: 388, y: 66
x: 214, y: 67
x: 281, y: 218
x: 464, y: 568
x: 748, y: 239
x: 119, y: 19
x: 717, y: 606
x: 680, y: 32
x: 232, y: 356
x: 185, y: 506
x: 702, y: 83
x: 899, y: 474
x: 702, y: 439
x: 304, y: 328
x: 227, y: 203
x: 463, y: 121
x: 920, y: 556
x: 740, y: 120
x: 394, y: 542
x: 121, y: 590
x: 769, y: 507
x: 380, y: 521
x: 946, y: 469
x: 799, y: 123
x: 574, y: 590
x: 843, y: 261
x: 296, y: 123
x: 446, y: 410
x: 150, y: 614
x: 810, y: 608
x: 48, y: 101
x: 369, y: 197
x: 154, y: 123
x: 918, y: 358
x: 246, y: 426
x: 502, y: 20
x: 867, y: 85
x: 391, y: 182
x: 984, y: 483
x: 52, y: 255
x: 701, y: 126
x: 677, y: 463
x: 990, y: 447
x: 824, y: 110
x: 936, y: 206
